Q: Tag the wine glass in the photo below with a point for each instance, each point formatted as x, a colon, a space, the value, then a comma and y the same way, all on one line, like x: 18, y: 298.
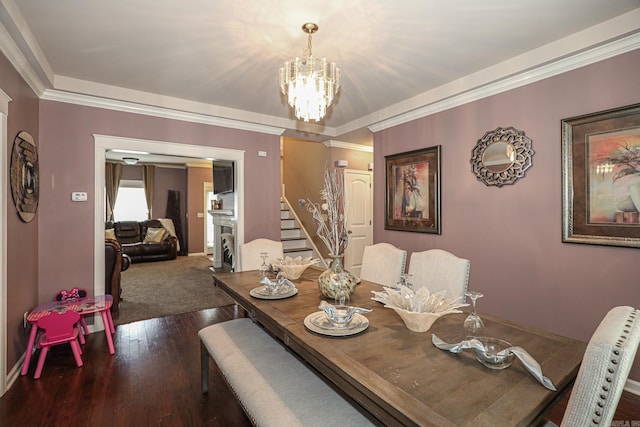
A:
x: 473, y: 324
x: 405, y: 280
x: 264, y: 268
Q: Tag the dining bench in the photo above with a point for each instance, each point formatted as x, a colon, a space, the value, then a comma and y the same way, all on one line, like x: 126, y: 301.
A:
x: 273, y: 386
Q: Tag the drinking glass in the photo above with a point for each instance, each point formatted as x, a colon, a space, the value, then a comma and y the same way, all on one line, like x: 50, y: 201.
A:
x: 405, y: 280
x: 473, y: 324
x: 264, y: 268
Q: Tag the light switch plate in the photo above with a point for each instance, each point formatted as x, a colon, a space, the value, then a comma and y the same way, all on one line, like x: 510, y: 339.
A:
x: 79, y: 196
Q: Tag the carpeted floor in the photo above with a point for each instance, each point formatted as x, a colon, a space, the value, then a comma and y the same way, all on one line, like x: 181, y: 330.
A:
x: 163, y: 288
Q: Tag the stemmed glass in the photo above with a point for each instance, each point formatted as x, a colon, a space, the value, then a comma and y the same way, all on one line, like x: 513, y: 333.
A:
x: 405, y: 280
x: 264, y: 268
x: 473, y: 324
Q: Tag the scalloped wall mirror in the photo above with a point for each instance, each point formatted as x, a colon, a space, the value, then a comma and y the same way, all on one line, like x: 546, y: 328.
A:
x: 501, y: 156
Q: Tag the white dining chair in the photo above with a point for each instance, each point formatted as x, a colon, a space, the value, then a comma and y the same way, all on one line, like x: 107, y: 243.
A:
x: 439, y: 270
x: 383, y: 263
x: 604, y: 370
x: 250, y: 253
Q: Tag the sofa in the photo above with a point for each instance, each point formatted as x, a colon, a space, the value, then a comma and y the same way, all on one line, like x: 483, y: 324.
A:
x: 115, y: 262
x: 143, y: 241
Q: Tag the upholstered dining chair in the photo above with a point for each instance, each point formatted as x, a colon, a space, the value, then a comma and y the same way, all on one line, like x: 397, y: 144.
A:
x: 439, y: 270
x: 250, y: 253
x: 604, y: 370
x: 58, y: 329
x: 383, y: 263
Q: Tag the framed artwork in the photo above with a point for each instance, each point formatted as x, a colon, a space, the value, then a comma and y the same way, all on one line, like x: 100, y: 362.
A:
x: 601, y: 178
x: 413, y: 191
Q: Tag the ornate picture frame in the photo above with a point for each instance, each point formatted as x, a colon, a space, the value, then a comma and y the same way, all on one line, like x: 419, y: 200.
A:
x: 601, y: 178
x: 412, y: 200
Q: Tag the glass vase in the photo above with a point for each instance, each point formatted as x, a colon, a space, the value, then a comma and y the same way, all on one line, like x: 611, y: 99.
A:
x: 336, y: 278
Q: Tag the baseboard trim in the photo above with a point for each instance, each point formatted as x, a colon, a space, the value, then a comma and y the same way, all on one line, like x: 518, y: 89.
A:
x: 632, y: 387
x: 196, y: 254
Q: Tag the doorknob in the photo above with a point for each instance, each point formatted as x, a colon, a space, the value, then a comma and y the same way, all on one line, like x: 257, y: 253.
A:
x: 349, y: 232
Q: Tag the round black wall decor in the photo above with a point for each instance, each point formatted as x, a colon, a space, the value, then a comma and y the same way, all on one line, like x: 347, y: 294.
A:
x: 24, y: 176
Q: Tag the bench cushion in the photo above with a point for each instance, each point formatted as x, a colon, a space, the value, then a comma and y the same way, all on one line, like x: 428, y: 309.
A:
x: 274, y: 387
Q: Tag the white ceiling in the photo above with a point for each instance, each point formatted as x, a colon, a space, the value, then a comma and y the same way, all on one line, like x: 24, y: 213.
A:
x: 221, y: 58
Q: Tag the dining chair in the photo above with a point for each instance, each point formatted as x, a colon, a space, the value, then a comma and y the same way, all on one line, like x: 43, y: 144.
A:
x: 439, y: 270
x: 59, y: 328
x: 604, y: 370
x: 75, y: 293
x: 383, y: 263
x: 250, y: 253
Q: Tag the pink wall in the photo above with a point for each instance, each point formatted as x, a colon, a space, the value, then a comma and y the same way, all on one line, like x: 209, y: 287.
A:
x: 513, y: 234
x: 21, y: 238
x: 67, y: 165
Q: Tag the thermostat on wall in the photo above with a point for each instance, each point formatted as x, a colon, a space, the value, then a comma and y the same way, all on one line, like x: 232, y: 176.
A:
x: 79, y: 196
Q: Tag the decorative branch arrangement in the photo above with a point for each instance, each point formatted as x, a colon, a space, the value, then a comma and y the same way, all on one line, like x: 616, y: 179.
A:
x: 330, y: 216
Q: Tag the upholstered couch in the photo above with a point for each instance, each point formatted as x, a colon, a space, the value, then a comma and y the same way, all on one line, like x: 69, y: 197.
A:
x: 115, y: 262
x: 143, y: 241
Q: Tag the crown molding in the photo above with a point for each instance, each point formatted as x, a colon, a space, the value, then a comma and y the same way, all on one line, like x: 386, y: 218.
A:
x: 464, y: 90
x: 131, y: 107
x: 331, y: 143
x: 16, y: 58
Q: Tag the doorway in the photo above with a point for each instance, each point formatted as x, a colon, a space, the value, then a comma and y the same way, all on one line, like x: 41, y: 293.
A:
x: 4, y: 181
x: 103, y: 143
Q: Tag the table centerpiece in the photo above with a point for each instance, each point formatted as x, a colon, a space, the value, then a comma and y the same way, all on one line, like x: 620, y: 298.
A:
x: 330, y: 217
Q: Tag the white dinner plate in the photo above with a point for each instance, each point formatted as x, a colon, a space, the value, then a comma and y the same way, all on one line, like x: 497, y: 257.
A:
x: 261, y: 293
x: 317, y: 322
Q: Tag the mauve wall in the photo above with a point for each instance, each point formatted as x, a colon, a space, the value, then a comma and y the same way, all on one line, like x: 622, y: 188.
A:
x: 21, y: 238
x: 513, y: 234
x: 66, y: 165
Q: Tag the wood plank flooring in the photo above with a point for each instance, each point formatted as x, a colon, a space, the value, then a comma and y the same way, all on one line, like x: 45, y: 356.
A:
x: 152, y: 380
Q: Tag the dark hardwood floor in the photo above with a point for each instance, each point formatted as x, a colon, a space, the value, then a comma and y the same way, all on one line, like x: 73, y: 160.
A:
x: 152, y: 380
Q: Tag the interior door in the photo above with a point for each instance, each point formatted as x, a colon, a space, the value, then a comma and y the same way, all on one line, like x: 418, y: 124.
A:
x: 359, y: 193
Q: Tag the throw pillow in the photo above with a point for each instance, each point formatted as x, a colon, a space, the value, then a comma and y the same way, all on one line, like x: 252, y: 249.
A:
x: 154, y: 235
x: 110, y: 233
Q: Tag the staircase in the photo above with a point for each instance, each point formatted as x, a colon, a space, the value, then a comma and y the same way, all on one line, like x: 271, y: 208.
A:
x: 293, y: 238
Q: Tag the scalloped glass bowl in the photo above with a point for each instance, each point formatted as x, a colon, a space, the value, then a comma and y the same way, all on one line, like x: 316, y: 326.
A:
x: 417, y: 321
x: 294, y: 267
x: 491, y: 357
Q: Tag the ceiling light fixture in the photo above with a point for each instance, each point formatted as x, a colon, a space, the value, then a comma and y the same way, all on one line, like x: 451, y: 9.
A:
x: 130, y: 160
x: 310, y: 83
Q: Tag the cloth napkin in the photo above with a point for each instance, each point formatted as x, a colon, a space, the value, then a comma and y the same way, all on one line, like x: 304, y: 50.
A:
x: 527, y: 360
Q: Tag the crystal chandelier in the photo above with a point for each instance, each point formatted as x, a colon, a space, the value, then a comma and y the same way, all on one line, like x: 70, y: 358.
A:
x: 310, y: 83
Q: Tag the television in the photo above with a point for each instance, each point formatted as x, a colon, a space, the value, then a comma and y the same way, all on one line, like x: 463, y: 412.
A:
x: 223, y: 177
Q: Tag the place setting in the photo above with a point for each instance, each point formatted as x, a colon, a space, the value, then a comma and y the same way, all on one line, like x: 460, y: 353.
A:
x: 278, y: 288
x: 339, y: 319
x: 491, y: 352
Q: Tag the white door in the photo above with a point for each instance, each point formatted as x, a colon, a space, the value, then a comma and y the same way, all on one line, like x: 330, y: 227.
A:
x: 359, y: 193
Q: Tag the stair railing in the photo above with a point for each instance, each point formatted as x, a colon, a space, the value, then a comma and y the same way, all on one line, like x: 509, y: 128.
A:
x: 304, y: 230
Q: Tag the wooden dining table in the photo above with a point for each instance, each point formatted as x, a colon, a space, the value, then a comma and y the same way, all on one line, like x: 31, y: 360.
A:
x: 398, y: 376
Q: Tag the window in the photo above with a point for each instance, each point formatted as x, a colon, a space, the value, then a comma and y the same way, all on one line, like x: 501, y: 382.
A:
x: 131, y: 203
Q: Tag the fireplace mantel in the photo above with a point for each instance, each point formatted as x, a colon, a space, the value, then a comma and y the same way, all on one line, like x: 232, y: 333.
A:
x: 222, y: 218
